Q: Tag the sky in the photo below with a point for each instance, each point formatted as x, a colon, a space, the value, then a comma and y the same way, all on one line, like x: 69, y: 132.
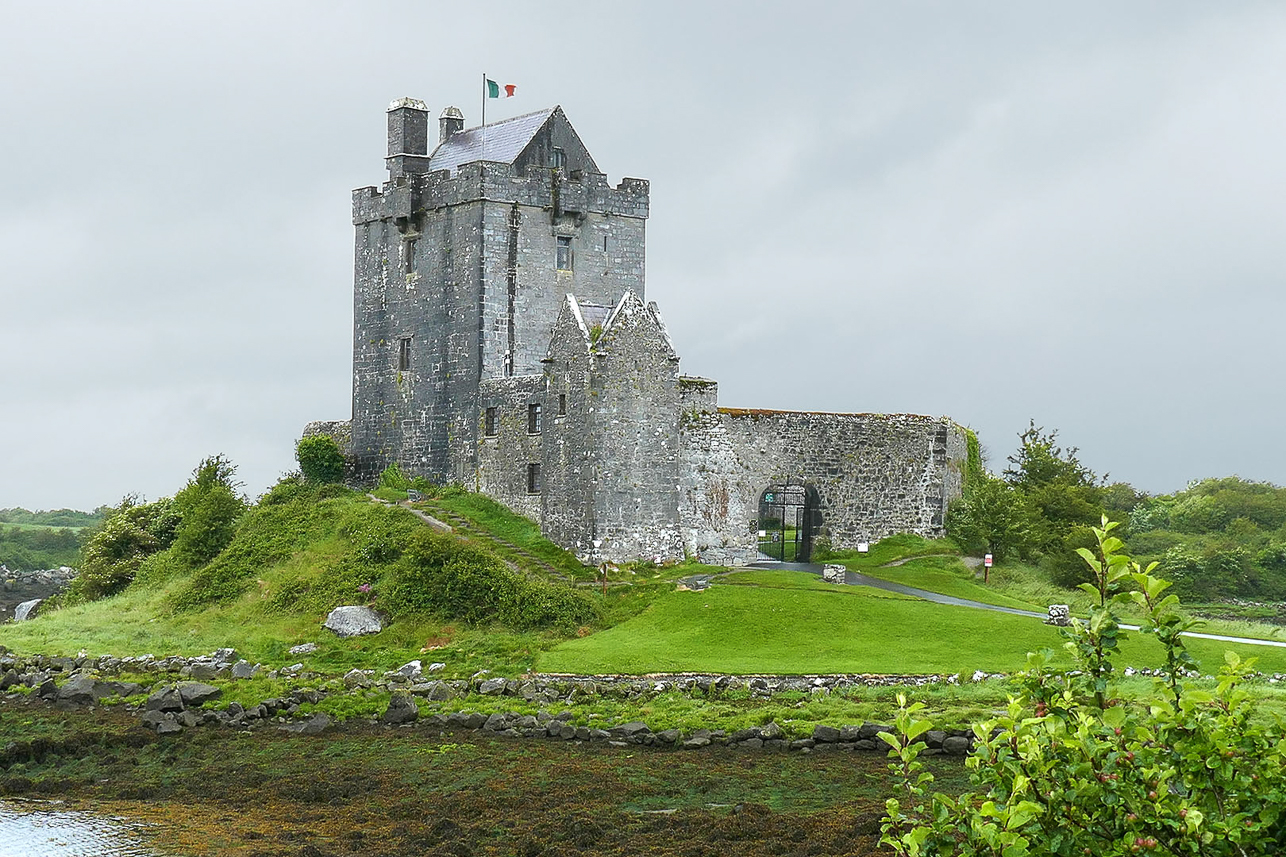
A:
x: 997, y: 212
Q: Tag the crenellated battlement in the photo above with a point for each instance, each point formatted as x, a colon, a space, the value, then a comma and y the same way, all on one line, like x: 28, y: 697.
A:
x: 409, y: 194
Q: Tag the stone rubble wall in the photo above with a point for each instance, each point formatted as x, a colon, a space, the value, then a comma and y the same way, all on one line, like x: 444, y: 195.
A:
x: 875, y: 474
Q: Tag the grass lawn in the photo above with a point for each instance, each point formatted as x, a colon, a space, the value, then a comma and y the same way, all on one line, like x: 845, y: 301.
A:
x: 949, y: 576
x: 748, y: 629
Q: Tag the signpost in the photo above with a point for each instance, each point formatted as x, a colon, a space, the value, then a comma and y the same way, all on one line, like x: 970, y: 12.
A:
x: 986, y: 567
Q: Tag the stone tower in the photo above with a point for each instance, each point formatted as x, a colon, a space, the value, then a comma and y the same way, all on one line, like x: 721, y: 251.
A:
x: 463, y: 261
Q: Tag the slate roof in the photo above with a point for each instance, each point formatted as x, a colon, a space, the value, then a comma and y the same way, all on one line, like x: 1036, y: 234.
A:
x: 504, y: 141
x: 594, y: 314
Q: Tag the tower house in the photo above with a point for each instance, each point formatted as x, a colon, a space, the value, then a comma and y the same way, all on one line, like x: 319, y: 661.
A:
x: 463, y: 259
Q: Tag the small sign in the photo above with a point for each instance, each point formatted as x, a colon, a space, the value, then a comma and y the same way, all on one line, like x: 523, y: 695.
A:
x: 986, y: 560
x: 863, y: 547
x: 763, y: 533
x: 768, y: 498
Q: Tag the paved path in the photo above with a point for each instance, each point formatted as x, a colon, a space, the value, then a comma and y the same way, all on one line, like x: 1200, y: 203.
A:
x: 854, y: 578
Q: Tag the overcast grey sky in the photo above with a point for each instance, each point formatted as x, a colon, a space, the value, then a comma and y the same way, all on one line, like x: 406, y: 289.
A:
x: 992, y: 211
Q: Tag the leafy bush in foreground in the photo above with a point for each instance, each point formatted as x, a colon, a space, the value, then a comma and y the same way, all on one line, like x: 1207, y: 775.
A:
x: 1073, y: 769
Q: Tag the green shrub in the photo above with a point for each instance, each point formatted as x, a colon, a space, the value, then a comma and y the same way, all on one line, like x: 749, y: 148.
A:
x: 392, y: 477
x: 1072, y: 768
x: 378, y: 534
x: 113, y: 554
x: 320, y: 459
x: 208, y: 509
x: 440, y: 575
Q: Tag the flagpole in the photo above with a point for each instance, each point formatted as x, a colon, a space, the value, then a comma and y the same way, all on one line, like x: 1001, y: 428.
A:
x: 484, y: 110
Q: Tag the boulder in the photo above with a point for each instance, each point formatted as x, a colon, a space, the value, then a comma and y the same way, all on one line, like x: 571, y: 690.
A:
x: 26, y: 610
x: 303, y: 649
x: 353, y: 621
x: 197, y: 693
x: 244, y: 669
x: 438, y: 691
x: 956, y: 745
x: 10, y: 679
x: 824, y: 734
x: 411, y: 671
x: 79, y: 690
x: 401, y: 709
x: 165, y: 699
x: 492, y: 687
x: 314, y: 725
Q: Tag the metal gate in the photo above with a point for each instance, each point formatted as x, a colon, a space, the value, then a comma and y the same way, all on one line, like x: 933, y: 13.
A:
x: 788, y: 520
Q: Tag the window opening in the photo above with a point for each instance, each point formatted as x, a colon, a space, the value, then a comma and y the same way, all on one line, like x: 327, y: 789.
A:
x: 559, y: 158
x: 408, y: 255
x: 404, y: 354
x: 564, y: 260
x: 533, y: 478
x: 533, y: 418
x: 562, y: 404
x: 489, y: 422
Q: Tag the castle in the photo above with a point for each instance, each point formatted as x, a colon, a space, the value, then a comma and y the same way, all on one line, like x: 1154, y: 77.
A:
x: 502, y: 340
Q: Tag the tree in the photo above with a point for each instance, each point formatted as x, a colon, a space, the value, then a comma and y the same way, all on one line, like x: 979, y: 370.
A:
x: 990, y: 516
x: 320, y: 459
x: 208, y: 507
x: 1072, y: 768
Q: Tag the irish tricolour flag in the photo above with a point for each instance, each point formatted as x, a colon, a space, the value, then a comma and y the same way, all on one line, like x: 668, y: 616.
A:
x: 493, y: 89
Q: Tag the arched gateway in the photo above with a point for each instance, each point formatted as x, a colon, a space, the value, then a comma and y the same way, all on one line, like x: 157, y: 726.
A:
x: 789, y: 517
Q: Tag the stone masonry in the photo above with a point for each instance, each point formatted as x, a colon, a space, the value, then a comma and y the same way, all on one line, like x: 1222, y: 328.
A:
x: 502, y: 340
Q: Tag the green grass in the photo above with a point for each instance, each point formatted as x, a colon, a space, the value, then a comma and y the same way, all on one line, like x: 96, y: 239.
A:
x: 494, y: 518
x: 948, y: 576
x: 745, y: 629
x: 772, y: 579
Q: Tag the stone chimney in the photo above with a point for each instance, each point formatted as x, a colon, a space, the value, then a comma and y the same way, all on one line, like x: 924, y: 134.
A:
x: 451, y: 122
x: 408, y: 127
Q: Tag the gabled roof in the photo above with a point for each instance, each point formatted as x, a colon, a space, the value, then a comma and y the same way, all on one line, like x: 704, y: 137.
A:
x: 594, y: 314
x: 501, y: 141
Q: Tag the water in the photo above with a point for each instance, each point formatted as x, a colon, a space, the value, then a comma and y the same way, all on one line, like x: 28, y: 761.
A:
x: 37, y: 829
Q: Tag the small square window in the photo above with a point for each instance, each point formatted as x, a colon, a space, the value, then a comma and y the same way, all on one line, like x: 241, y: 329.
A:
x: 489, y: 422
x: 533, y: 478
x: 533, y: 418
x: 564, y: 258
x: 562, y: 404
x: 404, y: 354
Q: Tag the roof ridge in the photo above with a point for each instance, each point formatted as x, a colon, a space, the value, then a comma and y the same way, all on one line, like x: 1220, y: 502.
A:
x: 547, y: 110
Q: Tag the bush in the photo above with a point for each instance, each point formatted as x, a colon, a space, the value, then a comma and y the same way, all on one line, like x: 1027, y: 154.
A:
x: 392, y: 477
x: 112, y: 555
x: 1072, y: 768
x: 320, y: 459
x: 439, y: 575
x: 208, y: 509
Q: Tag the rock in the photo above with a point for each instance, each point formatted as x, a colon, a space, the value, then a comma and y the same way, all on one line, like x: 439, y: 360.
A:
x: 168, y: 727
x: 9, y: 679
x: 303, y: 649
x: 165, y: 699
x: 824, y: 734
x: 353, y: 621
x: 197, y: 693
x: 771, y: 732
x: 357, y: 678
x: 669, y: 737
x: 26, y: 610
x: 935, y: 737
x: 495, y: 723
x: 243, y: 670
x: 633, y: 729
x: 956, y: 745
x: 202, y: 670
x: 314, y: 725
x: 401, y: 709
x: 436, y: 667
x: 80, y: 690
x: 438, y: 691
x: 47, y: 689
x: 151, y: 718
x: 223, y: 657
x: 492, y: 687
x: 410, y: 671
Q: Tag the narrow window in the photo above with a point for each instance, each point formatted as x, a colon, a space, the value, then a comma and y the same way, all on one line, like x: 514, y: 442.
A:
x: 404, y: 354
x: 604, y: 243
x: 564, y: 260
x: 533, y: 478
x: 558, y: 159
x: 489, y: 423
x: 533, y: 418
x: 408, y: 255
x: 562, y: 404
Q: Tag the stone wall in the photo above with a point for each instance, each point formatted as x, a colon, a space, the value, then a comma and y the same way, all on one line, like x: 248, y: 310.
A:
x: 504, y: 457
x: 875, y: 474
